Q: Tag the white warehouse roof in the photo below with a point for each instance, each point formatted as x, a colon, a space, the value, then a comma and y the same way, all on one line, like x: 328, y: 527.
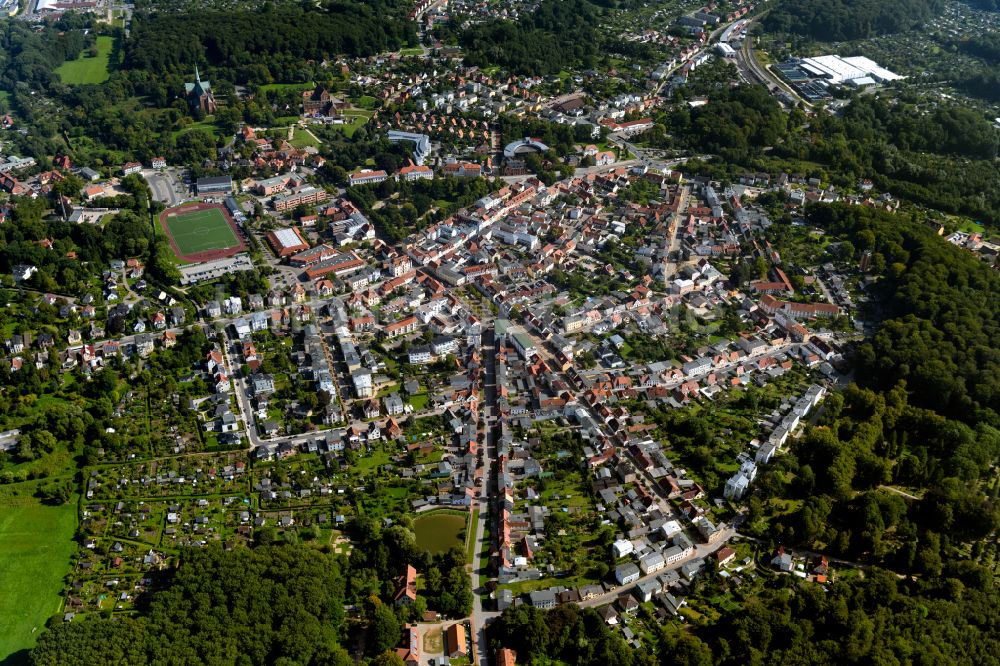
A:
x: 287, y: 237
x: 838, y: 70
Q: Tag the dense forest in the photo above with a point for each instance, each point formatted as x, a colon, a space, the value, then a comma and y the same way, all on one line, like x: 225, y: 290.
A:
x: 28, y: 56
x: 439, y: 197
x: 940, y: 331
x: 268, y: 605
x: 880, y: 620
x: 559, y: 35
x: 983, y: 83
x: 841, y: 20
x: 246, y: 46
x: 988, y: 5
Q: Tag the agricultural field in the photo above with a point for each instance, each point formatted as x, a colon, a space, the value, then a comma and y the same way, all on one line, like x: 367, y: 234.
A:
x: 87, y: 70
x: 36, y: 544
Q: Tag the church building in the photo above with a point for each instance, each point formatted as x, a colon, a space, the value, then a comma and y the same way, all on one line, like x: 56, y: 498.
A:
x: 199, y: 94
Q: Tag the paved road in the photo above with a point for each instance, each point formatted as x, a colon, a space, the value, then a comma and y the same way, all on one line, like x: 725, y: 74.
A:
x: 900, y: 492
x: 480, y: 616
x: 701, y: 550
x: 751, y: 69
x: 163, y: 186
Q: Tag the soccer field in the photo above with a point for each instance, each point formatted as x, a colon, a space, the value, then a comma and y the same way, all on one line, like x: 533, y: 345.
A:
x: 200, y: 231
x: 36, y: 543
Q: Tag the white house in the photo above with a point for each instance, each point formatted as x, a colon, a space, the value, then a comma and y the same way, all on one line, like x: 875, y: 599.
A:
x: 622, y: 547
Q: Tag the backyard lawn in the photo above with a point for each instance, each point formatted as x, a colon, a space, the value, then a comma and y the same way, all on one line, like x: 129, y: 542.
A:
x: 89, y: 70
x: 36, y: 543
x: 419, y: 402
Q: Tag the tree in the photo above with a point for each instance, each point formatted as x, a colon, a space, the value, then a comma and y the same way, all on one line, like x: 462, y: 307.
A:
x: 388, y: 658
x: 761, y: 267
x: 384, y: 629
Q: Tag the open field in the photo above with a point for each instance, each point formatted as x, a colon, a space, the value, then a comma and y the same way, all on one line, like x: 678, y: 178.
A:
x: 36, y: 543
x: 439, y: 531
x: 303, y: 139
x: 269, y: 87
x: 354, y: 119
x: 200, y: 232
x: 89, y: 70
x: 208, y: 125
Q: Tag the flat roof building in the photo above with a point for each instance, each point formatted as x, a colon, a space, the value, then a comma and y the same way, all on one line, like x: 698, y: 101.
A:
x: 286, y: 242
x: 213, y: 184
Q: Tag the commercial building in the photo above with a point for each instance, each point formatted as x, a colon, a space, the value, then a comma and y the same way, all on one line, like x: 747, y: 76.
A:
x: 313, y: 255
x: 415, y: 172
x: 338, y: 265
x: 838, y: 70
x: 214, y: 185
x: 286, y: 242
x: 463, y: 170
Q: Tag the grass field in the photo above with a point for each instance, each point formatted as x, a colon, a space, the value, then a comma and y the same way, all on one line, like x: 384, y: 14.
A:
x: 200, y: 231
x: 207, y: 125
x: 354, y: 118
x: 303, y: 139
x: 268, y: 87
x: 36, y: 543
x: 85, y: 69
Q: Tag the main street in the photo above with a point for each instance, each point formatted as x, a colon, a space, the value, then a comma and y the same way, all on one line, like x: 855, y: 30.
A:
x: 480, y: 594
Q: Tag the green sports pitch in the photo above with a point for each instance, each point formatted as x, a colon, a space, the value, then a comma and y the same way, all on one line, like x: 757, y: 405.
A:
x: 200, y: 231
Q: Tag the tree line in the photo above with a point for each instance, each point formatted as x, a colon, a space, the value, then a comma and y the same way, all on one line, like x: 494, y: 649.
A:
x: 843, y: 20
